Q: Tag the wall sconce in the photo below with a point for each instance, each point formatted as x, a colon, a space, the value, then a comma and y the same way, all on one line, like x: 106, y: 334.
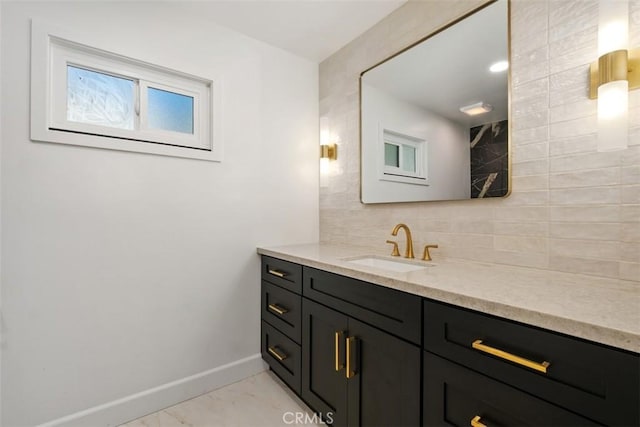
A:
x: 329, y: 151
x: 616, y: 72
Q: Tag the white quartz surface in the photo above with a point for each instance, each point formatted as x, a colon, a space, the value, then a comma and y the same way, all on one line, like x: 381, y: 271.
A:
x: 597, y: 309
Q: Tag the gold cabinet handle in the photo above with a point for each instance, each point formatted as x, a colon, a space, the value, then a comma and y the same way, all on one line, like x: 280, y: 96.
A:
x: 276, y: 273
x: 277, y: 309
x: 339, y: 364
x: 274, y: 351
x: 475, y: 422
x: 351, y: 372
x: 538, y: 366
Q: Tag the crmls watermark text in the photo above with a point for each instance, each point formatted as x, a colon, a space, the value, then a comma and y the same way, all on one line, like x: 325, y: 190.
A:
x: 302, y: 418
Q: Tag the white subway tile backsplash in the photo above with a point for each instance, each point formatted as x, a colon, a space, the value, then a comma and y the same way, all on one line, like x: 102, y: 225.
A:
x: 530, y: 182
x: 613, y: 213
x: 529, y: 136
x: 573, y: 145
x: 630, y: 271
x: 530, y: 167
x: 575, y: 127
x: 526, y: 244
x: 582, y: 196
x: 584, y: 161
x: 576, y: 110
x: 630, y: 194
x: 568, y: 17
x: 567, y: 87
x: 575, y: 264
x: 571, y: 208
x: 585, y: 230
x: 585, y: 178
x: 602, y: 250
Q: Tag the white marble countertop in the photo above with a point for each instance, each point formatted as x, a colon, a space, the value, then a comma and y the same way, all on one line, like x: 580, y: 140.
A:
x: 594, y: 308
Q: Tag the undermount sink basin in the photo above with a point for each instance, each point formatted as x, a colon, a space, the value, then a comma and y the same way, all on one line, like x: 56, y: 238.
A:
x: 387, y: 264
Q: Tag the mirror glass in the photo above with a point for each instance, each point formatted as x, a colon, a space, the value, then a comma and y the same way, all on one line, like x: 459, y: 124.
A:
x: 434, y: 117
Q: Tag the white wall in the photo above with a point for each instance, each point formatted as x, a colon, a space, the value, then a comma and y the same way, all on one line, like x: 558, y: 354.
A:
x: 122, y: 272
x: 447, y: 154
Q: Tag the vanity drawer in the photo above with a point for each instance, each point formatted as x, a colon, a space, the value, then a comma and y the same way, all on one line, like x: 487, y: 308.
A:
x: 454, y: 395
x: 598, y: 382
x: 282, y: 273
x: 282, y: 309
x: 282, y: 355
x: 396, y: 312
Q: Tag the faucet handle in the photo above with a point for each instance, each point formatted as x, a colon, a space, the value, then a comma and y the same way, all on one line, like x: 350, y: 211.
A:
x: 427, y: 255
x: 395, y: 251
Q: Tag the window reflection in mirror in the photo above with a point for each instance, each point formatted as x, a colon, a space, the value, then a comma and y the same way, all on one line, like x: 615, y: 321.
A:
x: 435, y: 117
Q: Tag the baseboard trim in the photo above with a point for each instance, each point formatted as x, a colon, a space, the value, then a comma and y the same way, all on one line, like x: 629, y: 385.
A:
x: 155, y: 399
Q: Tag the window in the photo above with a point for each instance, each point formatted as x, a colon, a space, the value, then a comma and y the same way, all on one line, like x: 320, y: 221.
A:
x: 403, y: 158
x: 86, y: 96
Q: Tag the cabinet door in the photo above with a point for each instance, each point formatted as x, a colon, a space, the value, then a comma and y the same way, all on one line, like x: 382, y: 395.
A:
x: 384, y: 388
x: 457, y: 396
x: 324, y: 383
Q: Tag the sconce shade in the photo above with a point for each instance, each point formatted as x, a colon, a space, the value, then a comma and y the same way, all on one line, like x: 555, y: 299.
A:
x: 611, y: 75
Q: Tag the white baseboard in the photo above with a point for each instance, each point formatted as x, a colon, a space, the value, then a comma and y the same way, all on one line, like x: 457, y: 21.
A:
x: 137, y: 405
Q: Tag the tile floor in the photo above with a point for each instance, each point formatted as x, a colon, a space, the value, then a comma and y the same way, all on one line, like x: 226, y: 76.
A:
x: 258, y: 401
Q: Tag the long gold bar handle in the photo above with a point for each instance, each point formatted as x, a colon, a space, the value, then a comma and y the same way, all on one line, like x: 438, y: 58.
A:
x: 538, y: 366
x: 338, y: 337
x: 277, y: 273
x: 350, y: 371
x: 276, y: 354
x: 277, y: 309
x: 475, y: 422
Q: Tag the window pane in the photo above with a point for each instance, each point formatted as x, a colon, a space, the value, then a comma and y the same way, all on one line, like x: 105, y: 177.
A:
x: 408, y: 158
x: 99, y: 99
x: 170, y: 111
x: 391, y: 157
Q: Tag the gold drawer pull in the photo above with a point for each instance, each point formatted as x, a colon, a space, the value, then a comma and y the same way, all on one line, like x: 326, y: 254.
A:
x: 351, y: 371
x: 475, y: 422
x: 276, y: 354
x: 277, y: 309
x: 339, y: 364
x: 276, y: 273
x: 541, y: 367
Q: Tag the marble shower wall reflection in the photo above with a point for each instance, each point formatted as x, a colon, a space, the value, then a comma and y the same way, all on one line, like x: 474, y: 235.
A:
x: 490, y: 160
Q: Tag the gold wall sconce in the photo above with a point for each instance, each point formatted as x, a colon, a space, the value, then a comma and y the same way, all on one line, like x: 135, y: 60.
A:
x: 329, y: 151
x: 616, y: 72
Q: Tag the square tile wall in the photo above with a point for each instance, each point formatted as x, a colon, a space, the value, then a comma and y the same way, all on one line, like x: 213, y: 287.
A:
x: 571, y: 208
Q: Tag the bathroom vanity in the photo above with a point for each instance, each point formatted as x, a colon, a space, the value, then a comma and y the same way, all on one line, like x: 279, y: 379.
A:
x: 449, y: 343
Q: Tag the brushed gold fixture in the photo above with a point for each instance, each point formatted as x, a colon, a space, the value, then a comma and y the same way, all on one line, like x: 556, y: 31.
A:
x: 277, y: 309
x: 339, y: 364
x: 329, y: 151
x: 475, y: 422
x: 350, y: 372
x: 617, y: 65
x: 427, y: 256
x: 277, y: 273
x: 395, y: 251
x: 409, y: 251
x: 274, y: 351
x: 538, y: 366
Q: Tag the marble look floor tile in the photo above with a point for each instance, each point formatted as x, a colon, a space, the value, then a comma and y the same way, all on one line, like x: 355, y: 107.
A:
x: 258, y: 401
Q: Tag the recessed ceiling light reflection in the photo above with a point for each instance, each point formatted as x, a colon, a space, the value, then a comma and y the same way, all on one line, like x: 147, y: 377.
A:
x: 499, y: 66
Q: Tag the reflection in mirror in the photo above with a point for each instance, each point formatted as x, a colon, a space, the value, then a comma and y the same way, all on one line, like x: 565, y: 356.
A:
x: 434, y: 118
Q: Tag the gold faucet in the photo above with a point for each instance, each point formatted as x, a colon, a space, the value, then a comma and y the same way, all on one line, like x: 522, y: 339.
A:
x: 427, y: 256
x: 409, y: 252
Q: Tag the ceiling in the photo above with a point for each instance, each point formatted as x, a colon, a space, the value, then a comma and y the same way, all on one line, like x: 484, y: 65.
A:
x: 451, y: 69
x: 314, y: 29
